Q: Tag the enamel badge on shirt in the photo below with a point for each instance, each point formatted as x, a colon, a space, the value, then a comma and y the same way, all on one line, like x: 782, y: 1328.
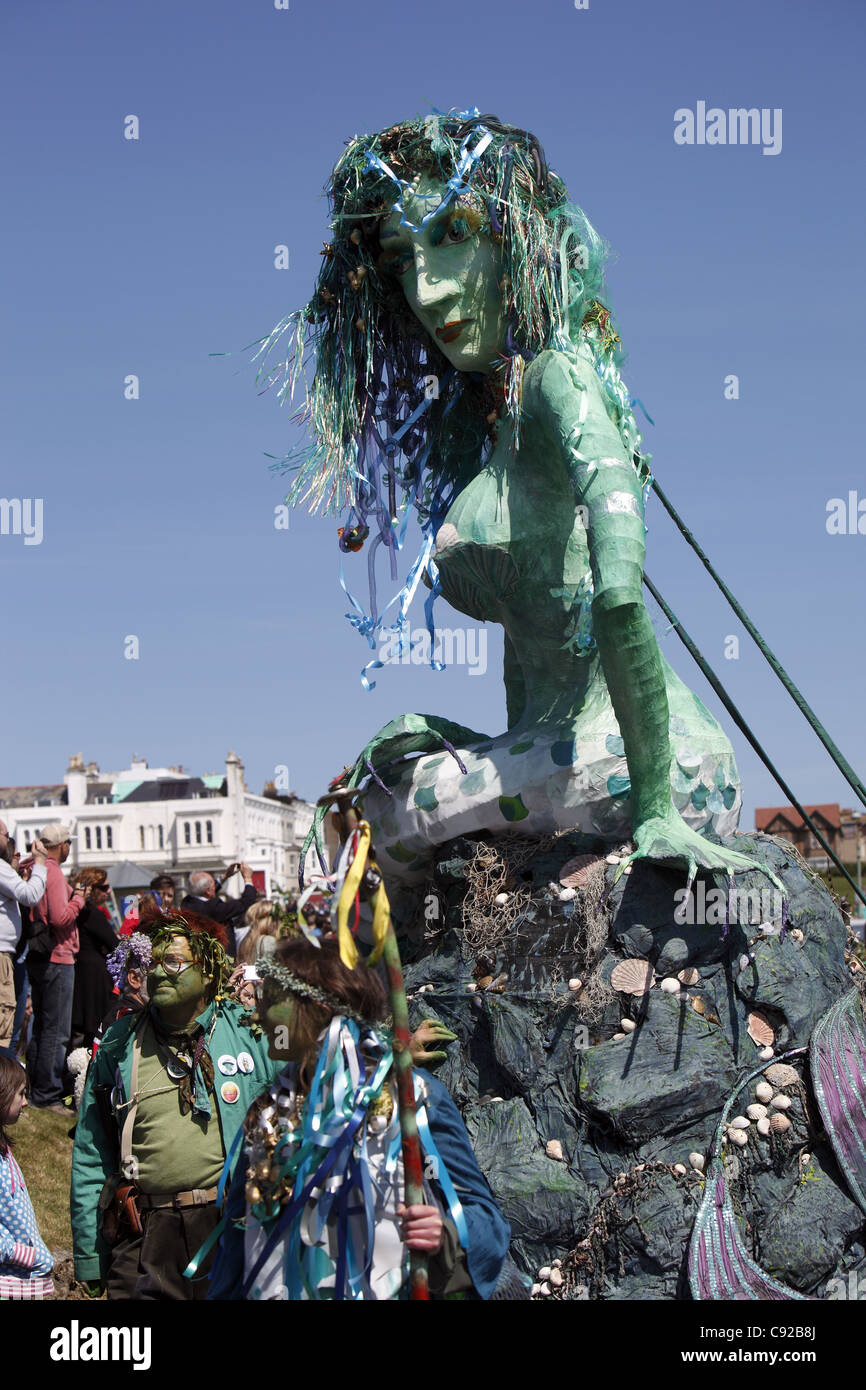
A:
x: 227, y: 1064
x: 245, y: 1063
x: 230, y: 1092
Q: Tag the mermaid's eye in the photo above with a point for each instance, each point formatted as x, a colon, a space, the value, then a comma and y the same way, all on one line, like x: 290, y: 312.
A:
x: 457, y: 231
x: 460, y: 225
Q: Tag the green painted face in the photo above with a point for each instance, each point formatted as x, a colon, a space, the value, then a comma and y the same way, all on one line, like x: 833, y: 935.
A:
x: 175, y: 993
x: 450, y: 272
x: 277, y: 1011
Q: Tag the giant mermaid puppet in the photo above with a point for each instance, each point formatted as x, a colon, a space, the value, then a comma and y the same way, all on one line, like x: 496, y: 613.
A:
x: 467, y: 366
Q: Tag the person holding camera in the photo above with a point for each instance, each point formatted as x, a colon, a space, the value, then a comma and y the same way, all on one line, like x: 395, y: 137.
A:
x: 51, y: 966
x: 14, y: 891
x: 202, y: 898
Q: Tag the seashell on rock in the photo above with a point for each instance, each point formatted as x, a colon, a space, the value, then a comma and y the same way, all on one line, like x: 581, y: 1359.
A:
x: 681, y: 1169
x: 501, y: 899
x: 566, y: 894
x: 576, y: 872
x: 738, y: 1136
x: 764, y: 1092
x: 471, y: 988
x: 760, y: 1031
x: 557, y: 1264
x: 627, y: 1025
x: 544, y: 1273
x: 763, y: 1125
x: 632, y: 976
x: 485, y: 981
x: 556, y: 1278
x: 536, y: 1288
x: 670, y: 985
x: 697, y: 1161
x: 617, y: 1037
x: 780, y: 1103
x: 796, y: 934
x: 744, y: 961
x: 739, y: 1122
x: 781, y: 1075
x: 766, y: 1053
x: 779, y: 1123
x: 699, y: 1005
x: 575, y: 984
x: 612, y: 859
x: 553, y: 1149
x: 689, y: 976
x: 805, y: 1160
x: 639, y: 1167
x: 756, y: 1112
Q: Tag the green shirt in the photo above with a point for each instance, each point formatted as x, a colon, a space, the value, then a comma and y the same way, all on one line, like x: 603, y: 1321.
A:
x: 175, y: 1152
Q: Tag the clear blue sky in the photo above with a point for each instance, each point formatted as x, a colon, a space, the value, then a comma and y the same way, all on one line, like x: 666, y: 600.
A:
x: 145, y: 257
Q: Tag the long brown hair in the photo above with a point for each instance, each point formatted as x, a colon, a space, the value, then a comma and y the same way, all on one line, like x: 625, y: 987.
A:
x: 361, y: 989
x: 263, y: 919
x: 11, y: 1073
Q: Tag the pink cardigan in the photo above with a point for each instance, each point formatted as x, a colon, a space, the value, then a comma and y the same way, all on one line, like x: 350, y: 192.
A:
x: 59, y: 907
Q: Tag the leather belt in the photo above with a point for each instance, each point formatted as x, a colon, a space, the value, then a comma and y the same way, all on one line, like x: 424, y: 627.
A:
x: 198, y: 1197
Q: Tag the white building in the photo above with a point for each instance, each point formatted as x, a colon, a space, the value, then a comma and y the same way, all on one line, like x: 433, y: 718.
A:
x: 167, y: 821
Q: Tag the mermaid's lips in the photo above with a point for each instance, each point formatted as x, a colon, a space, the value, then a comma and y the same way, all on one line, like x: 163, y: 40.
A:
x: 449, y: 331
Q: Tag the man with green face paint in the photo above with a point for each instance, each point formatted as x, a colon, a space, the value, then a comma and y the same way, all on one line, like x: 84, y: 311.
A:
x: 164, y: 1098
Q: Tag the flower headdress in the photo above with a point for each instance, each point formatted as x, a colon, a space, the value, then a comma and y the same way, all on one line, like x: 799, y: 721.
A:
x: 207, y: 940
x: 268, y: 968
x: 133, y: 952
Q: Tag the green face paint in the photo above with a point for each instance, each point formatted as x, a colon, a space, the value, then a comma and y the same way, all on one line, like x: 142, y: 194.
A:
x: 450, y: 273
x: 178, y: 995
x: 277, y: 1013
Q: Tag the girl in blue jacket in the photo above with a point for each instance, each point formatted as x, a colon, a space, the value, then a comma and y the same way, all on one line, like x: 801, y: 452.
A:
x: 25, y: 1261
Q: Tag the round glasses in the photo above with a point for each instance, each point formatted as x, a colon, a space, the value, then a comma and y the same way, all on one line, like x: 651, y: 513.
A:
x: 174, y: 965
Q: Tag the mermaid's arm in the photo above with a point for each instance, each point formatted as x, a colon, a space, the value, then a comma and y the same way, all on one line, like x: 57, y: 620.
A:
x: 564, y: 395
x: 567, y: 396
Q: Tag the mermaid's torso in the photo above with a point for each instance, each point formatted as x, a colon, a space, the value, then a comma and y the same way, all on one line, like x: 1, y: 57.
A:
x: 513, y: 549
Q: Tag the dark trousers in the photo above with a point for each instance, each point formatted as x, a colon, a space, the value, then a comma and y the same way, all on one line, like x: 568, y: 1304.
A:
x: 51, y: 988
x: 22, y: 991
x: 150, y: 1266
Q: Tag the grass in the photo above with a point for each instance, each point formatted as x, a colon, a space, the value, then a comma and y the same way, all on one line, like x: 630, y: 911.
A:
x: 43, y: 1150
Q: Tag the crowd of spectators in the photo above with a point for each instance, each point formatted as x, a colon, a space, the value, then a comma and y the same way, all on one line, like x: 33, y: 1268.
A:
x: 57, y: 937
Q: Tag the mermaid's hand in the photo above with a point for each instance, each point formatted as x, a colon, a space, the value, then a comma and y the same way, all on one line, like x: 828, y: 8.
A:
x: 667, y: 838
x: 430, y: 1031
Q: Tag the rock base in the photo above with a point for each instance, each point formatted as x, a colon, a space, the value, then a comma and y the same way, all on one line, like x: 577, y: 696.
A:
x: 625, y: 1087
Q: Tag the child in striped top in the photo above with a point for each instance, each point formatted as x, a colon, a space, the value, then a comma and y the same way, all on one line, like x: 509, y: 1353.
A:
x: 25, y: 1261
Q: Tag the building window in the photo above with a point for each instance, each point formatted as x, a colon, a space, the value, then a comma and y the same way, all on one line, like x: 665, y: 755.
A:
x: 198, y: 832
x: 99, y: 837
x: 87, y: 844
x: 109, y: 838
x: 162, y: 837
x: 208, y: 825
x: 187, y: 833
x: 141, y: 837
